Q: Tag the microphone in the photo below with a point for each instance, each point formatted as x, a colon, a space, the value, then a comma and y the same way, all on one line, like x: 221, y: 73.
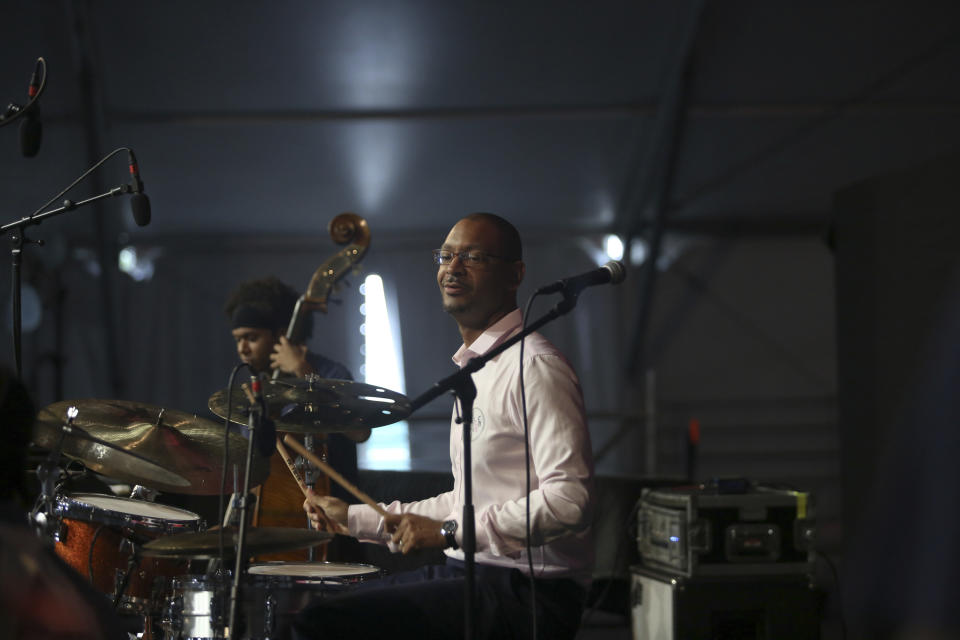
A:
x: 139, y: 203
x: 31, y: 131
x: 266, y: 431
x: 613, y: 272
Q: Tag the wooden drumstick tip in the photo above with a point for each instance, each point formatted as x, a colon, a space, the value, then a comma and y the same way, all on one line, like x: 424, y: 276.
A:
x: 334, y: 475
x: 291, y: 466
x: 246, y: 390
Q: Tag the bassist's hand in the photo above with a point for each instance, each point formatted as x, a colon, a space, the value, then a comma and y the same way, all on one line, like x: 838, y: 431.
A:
x: 290, y: 358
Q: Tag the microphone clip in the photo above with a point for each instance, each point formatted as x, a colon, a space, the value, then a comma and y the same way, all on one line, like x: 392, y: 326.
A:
x: 11, y: 110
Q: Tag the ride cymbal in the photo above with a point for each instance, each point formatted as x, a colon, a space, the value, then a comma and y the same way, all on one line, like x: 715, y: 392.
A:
x: 319, y: 405
x: 187, y: 446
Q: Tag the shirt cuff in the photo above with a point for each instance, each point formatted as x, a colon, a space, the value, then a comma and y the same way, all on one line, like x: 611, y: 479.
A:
x: 364, y: 523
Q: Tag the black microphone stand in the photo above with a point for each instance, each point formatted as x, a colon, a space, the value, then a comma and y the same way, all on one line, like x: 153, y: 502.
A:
x: 254, y: 422
x: 461, y: 384
x: 18, y: 239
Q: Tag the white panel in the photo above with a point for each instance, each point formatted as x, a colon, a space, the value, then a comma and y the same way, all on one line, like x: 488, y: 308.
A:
x: 652, y: 613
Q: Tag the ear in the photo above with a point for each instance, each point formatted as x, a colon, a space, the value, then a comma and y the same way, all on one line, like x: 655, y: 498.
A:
x: 519, y: 271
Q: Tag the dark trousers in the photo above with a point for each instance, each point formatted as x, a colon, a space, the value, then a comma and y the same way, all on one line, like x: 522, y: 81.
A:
x: 428, y: 603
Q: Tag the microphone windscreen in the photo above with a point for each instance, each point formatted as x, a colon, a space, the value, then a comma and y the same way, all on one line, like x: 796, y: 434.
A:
x: 31, y: 133
x: 140, y: 204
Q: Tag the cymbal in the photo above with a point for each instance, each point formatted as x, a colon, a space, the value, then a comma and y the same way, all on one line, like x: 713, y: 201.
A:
x: 206, y: 544
x: 188, y: 446
x: 319, y: 405
x: 106, y: 458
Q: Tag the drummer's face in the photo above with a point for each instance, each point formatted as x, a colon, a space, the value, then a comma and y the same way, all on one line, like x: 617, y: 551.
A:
x: 478, y: 295
x: 254, y: 346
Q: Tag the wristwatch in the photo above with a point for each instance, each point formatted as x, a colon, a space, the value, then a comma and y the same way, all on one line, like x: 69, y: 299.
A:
x: 449, y: 531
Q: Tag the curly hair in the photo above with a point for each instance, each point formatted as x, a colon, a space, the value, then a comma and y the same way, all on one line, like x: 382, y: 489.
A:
x: 272, y: 298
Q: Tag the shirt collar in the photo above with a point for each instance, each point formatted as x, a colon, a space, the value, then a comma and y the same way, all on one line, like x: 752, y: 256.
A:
x: 494, y: 335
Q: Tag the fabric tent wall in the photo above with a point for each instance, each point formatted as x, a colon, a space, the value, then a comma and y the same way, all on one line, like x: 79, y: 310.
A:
x: 898, y: 278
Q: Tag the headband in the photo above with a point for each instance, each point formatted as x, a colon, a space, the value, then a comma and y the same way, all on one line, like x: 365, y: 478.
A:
x: 248, y: 316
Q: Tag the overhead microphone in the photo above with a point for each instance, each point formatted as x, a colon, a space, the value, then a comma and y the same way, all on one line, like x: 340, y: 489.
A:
x: 31, y: 130
x: 613, y: 272
x: 139, y: 203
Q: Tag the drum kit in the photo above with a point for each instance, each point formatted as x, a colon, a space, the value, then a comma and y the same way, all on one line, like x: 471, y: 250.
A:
x: 141, y: 555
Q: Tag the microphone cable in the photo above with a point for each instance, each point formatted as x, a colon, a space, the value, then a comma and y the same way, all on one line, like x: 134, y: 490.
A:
x: 20, y: 112
x: 526, y: 449
x: 226, y: 454
x: 630, y: 526
x: 78, y: 180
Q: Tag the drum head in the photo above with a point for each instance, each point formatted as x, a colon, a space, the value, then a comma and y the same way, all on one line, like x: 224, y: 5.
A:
x: 82, y: 504
x: 314, y: 570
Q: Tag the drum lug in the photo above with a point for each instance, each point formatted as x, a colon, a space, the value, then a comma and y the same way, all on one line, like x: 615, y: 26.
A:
x: 60, y: 531
x: 52, y: 526
x: 172, y: 621
x: 219, y: 605
x: 269, y: 621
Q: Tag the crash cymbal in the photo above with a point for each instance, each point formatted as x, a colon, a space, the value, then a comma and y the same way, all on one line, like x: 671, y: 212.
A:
x: 206, y: 545
x: 182, y: 443
x: 106, y: 458
x: 319, y: 405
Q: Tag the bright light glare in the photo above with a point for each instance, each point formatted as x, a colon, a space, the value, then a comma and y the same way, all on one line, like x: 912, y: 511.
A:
x: 613, y: 245
x: 128, y: 259
x: 388, y: 447
x: 638, y: 251
x: 139, y: 266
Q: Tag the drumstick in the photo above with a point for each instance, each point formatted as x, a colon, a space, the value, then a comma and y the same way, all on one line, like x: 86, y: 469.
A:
x: 336, y: 477
x: 280, y: 448
x: 290, y: 465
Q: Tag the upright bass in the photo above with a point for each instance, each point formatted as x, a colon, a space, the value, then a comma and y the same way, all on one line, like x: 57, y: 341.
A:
x: 280, y: 500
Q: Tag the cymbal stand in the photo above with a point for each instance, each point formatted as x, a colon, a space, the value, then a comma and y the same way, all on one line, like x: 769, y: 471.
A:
x: 231, y: 514
x: 44, y: 515
x: 124, y: 579
x: 311, y: 473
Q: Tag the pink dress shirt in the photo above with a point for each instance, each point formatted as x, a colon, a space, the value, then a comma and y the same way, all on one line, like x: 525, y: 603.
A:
x: 561, y: 463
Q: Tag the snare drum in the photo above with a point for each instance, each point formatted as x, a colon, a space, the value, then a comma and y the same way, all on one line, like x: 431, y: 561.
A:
x: 96, y: 537
x: 270, y: 595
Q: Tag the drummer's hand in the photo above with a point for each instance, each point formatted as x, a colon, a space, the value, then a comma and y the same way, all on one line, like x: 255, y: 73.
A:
x: 326, y: 513
x: 411, y: 531
x: 290, y: 358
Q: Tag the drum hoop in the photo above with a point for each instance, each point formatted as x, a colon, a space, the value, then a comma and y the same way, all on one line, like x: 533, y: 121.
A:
x: 73, y: 507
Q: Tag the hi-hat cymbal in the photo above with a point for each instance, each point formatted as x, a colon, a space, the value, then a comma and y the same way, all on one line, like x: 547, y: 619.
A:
x: 182, y: 443
x: 206, y: 544
x: 319, y: 405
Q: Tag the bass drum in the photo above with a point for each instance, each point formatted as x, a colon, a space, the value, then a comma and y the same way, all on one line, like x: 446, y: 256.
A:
x: 271, y: 594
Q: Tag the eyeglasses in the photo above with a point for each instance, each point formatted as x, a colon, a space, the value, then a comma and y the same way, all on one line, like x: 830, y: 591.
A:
x: 467, y: 258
